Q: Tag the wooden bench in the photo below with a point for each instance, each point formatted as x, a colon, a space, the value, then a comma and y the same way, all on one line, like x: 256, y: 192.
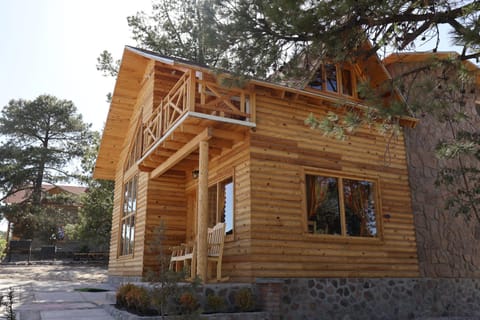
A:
x: 184, y: 256
x: 20, y: 246
x: 90, y: 256
x: 48, y: 252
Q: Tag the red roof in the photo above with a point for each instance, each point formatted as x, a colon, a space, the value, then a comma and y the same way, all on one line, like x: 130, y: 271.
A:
x: 52, y: 189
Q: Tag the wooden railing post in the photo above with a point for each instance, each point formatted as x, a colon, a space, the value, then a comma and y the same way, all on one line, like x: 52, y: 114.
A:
x: 191, y: 90
x: 202, y: 225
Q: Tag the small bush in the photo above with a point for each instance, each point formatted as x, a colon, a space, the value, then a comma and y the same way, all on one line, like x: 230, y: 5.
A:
x: 138, y: 300
x: 122, y: 293
x: 188, y: 302
x: 135, y: 299
x: 215, y: 304
x: 245, y: 300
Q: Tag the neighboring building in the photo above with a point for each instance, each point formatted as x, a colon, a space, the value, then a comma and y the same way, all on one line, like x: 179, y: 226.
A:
x: 186, y: 153
x: 61, y: 200
x: 448, y: 246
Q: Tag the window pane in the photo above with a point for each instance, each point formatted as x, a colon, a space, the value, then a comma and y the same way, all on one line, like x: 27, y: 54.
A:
x: 331, y: 74
x: 347, y: 87
x: 128, y: 235
x: 127, y: 232
x: 122, y: 239
x: 132, y: 234
x: 360, y: 208
x: 317, y: 82
x: 226, y: 212
x: 323, y: 205
x: 212, y: 205
x: 125, y: 201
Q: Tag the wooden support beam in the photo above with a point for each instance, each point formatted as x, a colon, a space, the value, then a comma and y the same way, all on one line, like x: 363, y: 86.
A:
x: 191, y: 91
x: 181, y: 153
x: 229, y: 135
x: 202, y: 210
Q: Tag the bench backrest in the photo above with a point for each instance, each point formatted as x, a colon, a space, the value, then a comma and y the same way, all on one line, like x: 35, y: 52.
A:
x: 20, y: 244
x: 215, y: 240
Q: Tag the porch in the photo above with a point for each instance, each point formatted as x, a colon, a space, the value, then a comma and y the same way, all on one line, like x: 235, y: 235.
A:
x: 196, y: 122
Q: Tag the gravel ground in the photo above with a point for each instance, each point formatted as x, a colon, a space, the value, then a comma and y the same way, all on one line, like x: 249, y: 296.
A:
x: 14, y: 274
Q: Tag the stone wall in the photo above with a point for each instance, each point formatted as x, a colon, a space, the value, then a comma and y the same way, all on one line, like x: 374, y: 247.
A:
x: 352, y: 298
x: 379, y: 298
x: 448, y: 246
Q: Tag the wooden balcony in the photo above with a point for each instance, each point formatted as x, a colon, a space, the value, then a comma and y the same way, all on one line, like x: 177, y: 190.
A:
x: 191, y: 106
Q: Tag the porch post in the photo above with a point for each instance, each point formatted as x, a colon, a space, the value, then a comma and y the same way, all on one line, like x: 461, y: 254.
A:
x: 202, y: 226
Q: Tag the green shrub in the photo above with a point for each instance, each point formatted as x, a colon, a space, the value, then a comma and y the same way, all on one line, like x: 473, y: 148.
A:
x: 188, y: 302
x: 122, y: 293
x: 245, y: 300
x: 215, y: 304
x: 138, y: 299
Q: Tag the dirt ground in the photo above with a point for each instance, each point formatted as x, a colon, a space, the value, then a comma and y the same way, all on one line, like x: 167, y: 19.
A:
x: 53, y: 272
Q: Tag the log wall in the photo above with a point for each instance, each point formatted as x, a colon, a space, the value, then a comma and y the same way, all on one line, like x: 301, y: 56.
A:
x: 270, y: 236
x: 166, y: 217
x: 131, y: 265
x: 234, y: 162
x: 282, y: 147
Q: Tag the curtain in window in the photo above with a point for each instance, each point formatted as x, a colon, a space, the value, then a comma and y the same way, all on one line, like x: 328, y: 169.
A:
x: 357, y: 206
x: 318, y: 189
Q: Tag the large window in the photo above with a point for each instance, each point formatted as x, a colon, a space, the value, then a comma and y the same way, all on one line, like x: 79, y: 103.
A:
x: 341, y: 206
x: 220, y: 204
x: 333, y: 78
x: 127, y: 230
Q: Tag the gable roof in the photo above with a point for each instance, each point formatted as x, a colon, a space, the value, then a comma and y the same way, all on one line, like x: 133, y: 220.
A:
x: 132, y: 74
x: 419, y: 57
x: 22, y: 195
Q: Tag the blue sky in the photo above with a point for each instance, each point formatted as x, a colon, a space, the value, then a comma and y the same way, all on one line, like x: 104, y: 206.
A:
x: 51, y: 47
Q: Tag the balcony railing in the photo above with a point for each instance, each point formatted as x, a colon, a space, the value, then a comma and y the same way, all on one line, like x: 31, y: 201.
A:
x: 195, y: 95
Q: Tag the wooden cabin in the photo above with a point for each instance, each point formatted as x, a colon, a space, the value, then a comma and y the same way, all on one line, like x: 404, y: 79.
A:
x: 186, y: 152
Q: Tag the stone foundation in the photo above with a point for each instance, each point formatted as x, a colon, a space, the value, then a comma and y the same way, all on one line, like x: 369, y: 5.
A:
x: 358, y: 298
x: 379, y: 298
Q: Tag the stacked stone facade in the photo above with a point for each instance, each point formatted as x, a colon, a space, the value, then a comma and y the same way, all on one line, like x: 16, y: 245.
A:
x: 448, y: 245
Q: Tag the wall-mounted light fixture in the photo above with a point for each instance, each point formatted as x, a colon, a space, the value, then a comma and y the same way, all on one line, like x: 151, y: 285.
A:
x: 195, y: 174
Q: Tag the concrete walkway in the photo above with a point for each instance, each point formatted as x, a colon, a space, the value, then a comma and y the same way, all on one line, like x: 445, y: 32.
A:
x: 48, y: 292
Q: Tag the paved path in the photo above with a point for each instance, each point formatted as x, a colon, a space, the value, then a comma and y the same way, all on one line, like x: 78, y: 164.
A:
x: 47, y: 292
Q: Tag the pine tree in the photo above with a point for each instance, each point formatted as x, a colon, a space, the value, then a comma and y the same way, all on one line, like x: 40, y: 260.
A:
x: 40, y: 138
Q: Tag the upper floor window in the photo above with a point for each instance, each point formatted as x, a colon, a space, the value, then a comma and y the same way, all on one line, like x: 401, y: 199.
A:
x: 334, y: 78
x: 341, y: 206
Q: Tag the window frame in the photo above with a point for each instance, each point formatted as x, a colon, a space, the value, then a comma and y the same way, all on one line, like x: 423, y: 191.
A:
x: 217, y: 183
x: 339, y: 71
x: 340, y: 176
x: 124, y: 217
